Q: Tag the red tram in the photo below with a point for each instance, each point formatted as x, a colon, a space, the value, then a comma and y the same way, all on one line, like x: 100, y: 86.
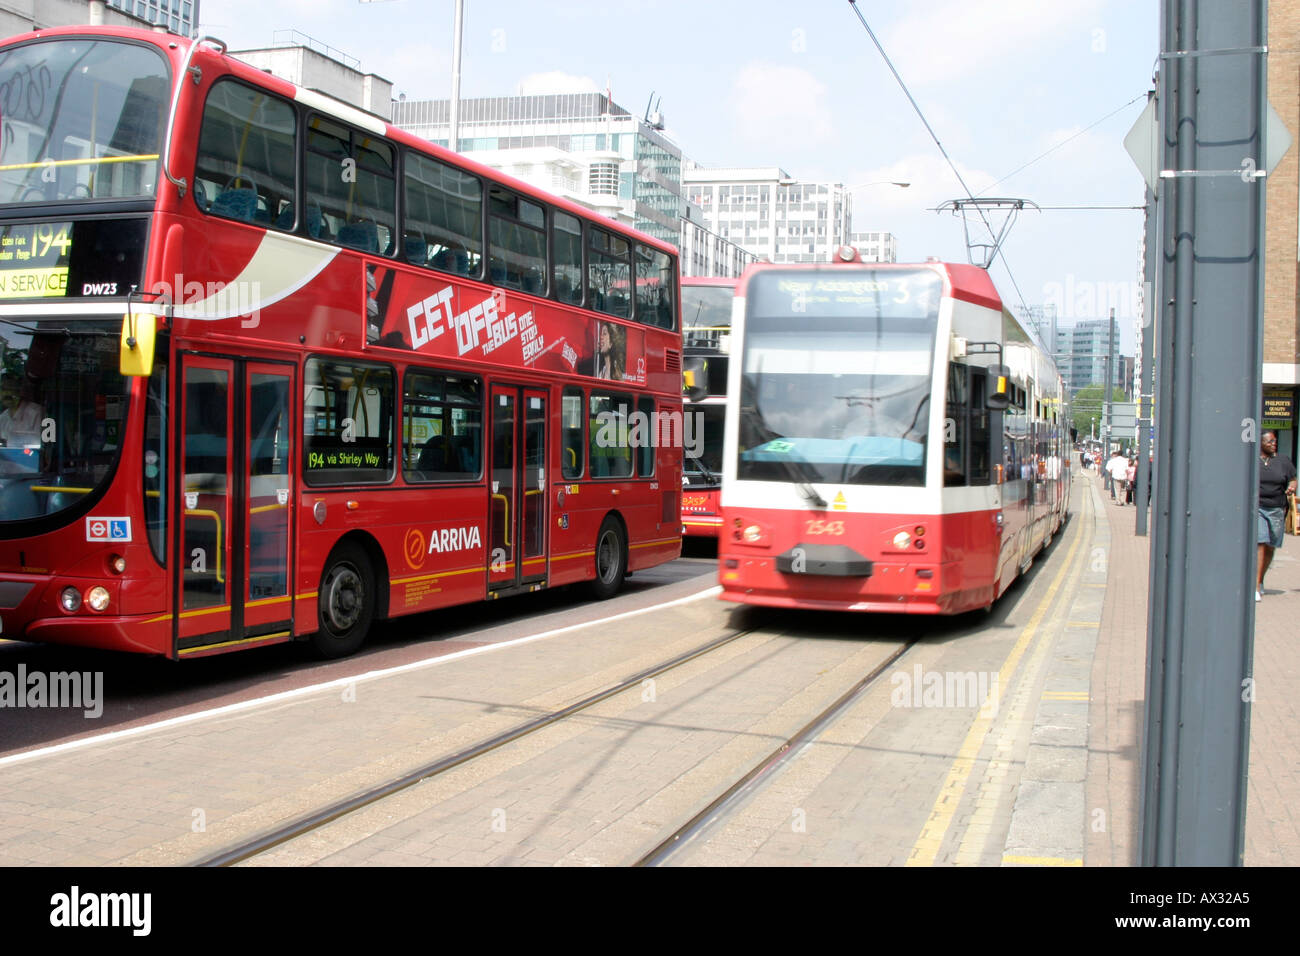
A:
x: 897, y: 442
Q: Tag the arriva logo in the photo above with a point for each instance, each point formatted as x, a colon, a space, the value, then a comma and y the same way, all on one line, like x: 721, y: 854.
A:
x: 454, y: 539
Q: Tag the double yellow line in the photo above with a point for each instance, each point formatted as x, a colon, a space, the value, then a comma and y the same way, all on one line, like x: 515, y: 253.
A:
x: 928, y: 843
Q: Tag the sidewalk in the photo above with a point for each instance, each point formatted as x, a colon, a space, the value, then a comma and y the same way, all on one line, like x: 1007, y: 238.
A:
x: 1119, y: 689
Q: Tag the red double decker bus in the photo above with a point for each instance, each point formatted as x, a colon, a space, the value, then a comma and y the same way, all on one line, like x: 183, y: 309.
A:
x: 706, y: 339
x: 275, y: 369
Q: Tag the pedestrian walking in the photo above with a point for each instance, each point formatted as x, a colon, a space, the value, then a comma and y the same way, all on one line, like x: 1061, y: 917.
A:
x: 1277, y: 482
x: 1116, y: 470
x: 1130, y: 480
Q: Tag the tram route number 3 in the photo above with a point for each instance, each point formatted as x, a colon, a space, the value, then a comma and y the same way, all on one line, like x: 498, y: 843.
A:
x: 820, y: 526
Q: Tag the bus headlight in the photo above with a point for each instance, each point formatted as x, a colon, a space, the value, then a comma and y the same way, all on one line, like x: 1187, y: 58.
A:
x: 902, y: 540
x: 70, y: 599
x: 753, y: 534
x: 97, y: 597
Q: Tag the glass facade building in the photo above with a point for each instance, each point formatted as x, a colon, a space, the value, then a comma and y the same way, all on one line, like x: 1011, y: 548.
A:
x: 178, y: 16
x: 621, y: 151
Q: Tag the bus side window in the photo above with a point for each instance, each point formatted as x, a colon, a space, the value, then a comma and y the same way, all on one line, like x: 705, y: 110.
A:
x: 245, y: 162
x: 443, y: 219
x: 567, y: 244
x: 654, y: 288
x: 350, y: 178
x: 517, y: 237
x: 572, y: 444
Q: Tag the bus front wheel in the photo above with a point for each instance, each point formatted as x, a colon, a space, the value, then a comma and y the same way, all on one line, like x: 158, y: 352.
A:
x: 346, y: 602
x: 611, y: 559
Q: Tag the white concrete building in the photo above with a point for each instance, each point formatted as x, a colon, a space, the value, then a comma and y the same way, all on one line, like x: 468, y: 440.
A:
x: 771, y: 214
x: 875, y: 246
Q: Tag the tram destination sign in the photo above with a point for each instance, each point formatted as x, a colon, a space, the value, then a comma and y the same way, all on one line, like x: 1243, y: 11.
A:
x: 71, y: 259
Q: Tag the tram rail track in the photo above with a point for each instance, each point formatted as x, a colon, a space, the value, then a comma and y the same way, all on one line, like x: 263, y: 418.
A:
x: 307, y: 823
x: 739, y: 791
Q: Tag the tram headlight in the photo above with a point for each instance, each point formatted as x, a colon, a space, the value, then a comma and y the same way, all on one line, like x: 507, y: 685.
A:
x: 70, y: 599
x: 97, y: 597
x: 902, y: 540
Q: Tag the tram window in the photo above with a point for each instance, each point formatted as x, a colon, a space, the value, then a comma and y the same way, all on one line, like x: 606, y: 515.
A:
x: 567, y: 244
x: 351, y: 188
x: 979, y: 472
x: 517, y: 242
x: 442, y: 427
x: 955, y: 427
x: 347, y: 422
x: 442, y: 227
x: 608, y: 273
x: 573, y: 446
x: 245, y: 166
x: 611, y: 452
x: 654, y: 288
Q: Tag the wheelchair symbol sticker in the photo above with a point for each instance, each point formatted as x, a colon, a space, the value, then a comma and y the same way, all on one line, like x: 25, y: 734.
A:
x: 108, y: 529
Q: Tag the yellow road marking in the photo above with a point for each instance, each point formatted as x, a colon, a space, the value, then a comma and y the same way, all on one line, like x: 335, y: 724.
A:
x: 927, y: 845
x: 1041, y: 861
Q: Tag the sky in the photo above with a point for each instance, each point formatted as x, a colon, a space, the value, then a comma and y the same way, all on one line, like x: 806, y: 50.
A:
x: 802, y: 86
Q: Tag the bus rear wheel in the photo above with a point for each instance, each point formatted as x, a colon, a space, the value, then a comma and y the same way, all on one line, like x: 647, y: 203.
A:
x: 345, y: 603
x: 611, y: 559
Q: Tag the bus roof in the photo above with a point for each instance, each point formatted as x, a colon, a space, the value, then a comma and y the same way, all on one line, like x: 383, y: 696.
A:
x: 175, y: 48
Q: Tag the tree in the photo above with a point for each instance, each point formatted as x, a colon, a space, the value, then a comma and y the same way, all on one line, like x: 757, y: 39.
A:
x: 1088, y: 408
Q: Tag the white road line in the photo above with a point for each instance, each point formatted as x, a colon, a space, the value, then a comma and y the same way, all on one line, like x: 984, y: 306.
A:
x: 116, y: 735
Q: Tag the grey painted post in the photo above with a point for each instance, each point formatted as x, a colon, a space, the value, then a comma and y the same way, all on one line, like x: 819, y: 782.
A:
x: 1149, y: 304
x: 1202, y: 617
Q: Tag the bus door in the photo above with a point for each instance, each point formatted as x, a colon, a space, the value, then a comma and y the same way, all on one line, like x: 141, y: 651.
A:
x: 236, y: 476
x: 517, y: 487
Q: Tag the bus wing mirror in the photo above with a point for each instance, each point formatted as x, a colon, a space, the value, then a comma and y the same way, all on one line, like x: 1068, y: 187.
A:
x: 999, y: 397
x: 695, y: 378
x: 139, y: 333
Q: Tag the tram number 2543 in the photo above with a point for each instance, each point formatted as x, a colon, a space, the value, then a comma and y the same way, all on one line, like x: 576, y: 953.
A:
x: 821, y: 526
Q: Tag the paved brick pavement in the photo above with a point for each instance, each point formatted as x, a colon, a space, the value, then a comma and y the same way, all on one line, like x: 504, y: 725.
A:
x: 1119, y: 690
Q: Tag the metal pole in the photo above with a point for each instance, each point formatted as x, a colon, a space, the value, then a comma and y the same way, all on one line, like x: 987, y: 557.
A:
x: 453, y: 138
x: 1110, y: 387
x: 1202, y: 607
x: 1149, y: 251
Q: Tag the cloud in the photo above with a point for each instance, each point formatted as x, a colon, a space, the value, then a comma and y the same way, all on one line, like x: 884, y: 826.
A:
x: 775, y: 105
x: 962, y: 37
x: 556, y: 81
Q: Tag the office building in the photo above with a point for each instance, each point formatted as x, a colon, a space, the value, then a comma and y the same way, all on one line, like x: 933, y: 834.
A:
x: 770, y: 214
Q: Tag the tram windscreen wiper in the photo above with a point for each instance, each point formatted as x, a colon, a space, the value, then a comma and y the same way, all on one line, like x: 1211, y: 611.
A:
x: 798, y: 469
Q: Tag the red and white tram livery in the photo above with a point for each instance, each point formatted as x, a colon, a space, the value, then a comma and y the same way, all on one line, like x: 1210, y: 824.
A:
x: 895, y: 440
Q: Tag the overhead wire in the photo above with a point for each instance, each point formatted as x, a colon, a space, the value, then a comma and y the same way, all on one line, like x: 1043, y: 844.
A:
x: 951, y: 165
